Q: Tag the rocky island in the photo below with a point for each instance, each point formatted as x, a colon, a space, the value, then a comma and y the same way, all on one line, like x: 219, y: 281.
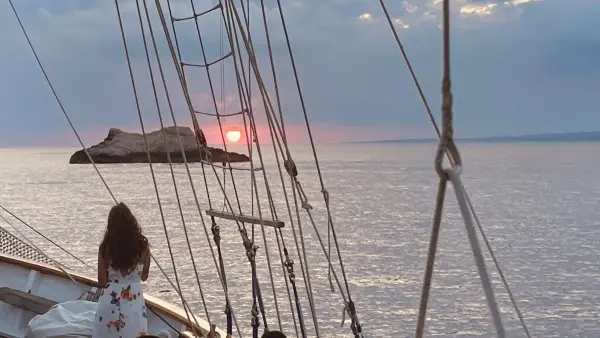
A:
x: 124, y: 147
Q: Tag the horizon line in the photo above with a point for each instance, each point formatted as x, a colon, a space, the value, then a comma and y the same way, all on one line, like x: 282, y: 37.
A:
x: 539, y: 137
x: 558, y: 136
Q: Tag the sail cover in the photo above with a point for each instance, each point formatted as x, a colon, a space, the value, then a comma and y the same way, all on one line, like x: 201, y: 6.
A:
x: 68, y: 319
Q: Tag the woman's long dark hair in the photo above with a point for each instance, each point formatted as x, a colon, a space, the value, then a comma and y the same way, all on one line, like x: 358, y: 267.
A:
x: 123, y: 243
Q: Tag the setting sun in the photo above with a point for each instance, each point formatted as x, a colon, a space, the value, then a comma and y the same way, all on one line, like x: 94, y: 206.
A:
x: 234, y: 135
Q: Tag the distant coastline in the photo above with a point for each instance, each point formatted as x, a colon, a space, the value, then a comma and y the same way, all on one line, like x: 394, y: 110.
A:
x: 592, y: 136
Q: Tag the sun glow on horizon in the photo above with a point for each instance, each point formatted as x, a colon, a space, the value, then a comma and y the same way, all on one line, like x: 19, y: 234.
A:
x: 233, y: 135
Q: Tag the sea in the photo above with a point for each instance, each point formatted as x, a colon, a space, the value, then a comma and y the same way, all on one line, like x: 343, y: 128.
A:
x: 538, y: 204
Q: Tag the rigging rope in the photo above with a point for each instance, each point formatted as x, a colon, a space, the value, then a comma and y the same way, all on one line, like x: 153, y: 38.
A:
x: 468, y: 199
x: 447, y: 144
x: 245, y: 98
x: 252, y: 121
x: 182, y: 80
x: 86, y: 151
x: 62, y: 108
x: 57, y: 264
x: 271, y: 203
x: 307, y: 280
x: 39, y: 233
x: 288, y: 264
x: 47, y: 258
x: 255, y: 284
x: 349, y: 306
x: 217, y: 238
x: 193, y: 261
x: 139, y: 112
x: 213, y: 166
x: 356, y: 327
x: 14, y: 246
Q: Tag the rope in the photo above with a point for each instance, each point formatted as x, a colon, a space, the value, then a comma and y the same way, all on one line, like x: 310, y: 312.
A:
x: 215, y: 105
x: 76, y: 133
x: 14, y: 246
x: 213, y: 166
x: 186, y: 94
x: 38, y: 250
x: 447, y: 144
x: 217, y: 238
x: 349, y: 306
x: 435, y: 230
x: 287, y: 265
x: 356, y: 327
x: 42, y: 235
x: 182, y: 80
x: 244, y: 99
x: 479, y: 259
x: 468, y: 199
x: 168, y: 150
x: 222, y: 277
x: 307, y: 280
x: 62, y: 108
x: 126, y: 50
x: 271, y: 203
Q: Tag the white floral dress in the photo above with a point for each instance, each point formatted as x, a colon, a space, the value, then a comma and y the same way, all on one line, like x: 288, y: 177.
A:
x: 121, y: 311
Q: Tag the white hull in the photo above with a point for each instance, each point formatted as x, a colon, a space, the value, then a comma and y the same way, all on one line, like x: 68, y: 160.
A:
x: 28, y: 288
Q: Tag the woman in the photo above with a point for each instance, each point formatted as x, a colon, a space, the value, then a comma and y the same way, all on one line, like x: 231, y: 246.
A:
x: 123, y: 263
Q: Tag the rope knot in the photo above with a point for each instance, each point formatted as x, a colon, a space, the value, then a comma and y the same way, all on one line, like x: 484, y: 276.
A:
x: 306, y: 205
x: 350, y: 308
x: 325, y: 195
x: 289, y: 266
x: 446, y: 143
x: 248, y: 245
x: 251, y: 252
x: 344, y: 310
x: 205, y: 154
x: 216, y: 231
x: 290, y: 166
x: 254, y: 320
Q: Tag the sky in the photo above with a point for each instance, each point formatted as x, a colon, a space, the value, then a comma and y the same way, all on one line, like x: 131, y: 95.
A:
x: 518, y: 67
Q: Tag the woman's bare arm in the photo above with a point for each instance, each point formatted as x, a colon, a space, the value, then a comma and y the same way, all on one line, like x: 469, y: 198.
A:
x: 102, y: 269
x: 146, y: 262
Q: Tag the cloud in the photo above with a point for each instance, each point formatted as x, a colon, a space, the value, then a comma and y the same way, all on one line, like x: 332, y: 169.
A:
x: 518, y: 66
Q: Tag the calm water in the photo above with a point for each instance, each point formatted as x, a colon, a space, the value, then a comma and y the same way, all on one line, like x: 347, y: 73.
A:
x: 538, y: 203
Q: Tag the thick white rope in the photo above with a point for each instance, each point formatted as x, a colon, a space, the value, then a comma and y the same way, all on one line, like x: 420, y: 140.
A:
x: 460, y: 192
x: 447, y: 144
x: 470, y: 204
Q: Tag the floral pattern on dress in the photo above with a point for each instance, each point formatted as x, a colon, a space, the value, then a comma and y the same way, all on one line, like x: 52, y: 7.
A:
x: 121, y: 311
